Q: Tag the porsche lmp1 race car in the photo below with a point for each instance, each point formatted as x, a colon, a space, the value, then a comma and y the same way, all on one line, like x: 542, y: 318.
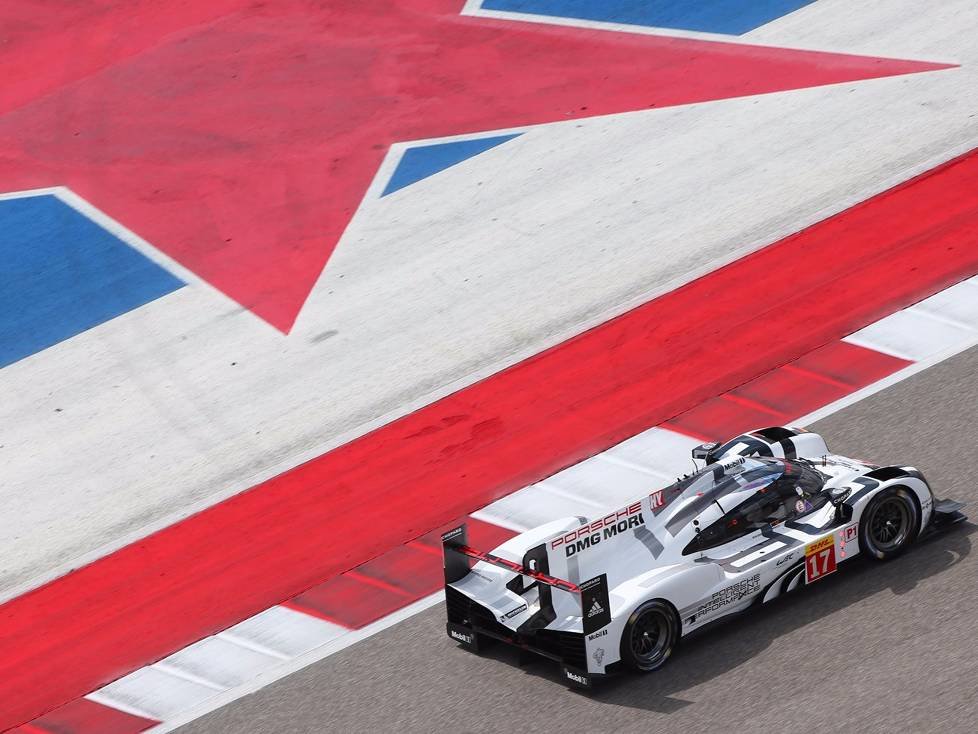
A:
x: 771, y: 510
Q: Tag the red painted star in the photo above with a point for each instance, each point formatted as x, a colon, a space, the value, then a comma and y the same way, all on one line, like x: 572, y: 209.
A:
x: 239, y: 137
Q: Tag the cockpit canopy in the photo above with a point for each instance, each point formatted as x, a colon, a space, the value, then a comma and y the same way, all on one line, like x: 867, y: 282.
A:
x: 749, y: 494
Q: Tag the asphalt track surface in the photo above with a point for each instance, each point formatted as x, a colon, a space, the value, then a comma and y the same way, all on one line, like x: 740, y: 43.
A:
x: 888, y: 647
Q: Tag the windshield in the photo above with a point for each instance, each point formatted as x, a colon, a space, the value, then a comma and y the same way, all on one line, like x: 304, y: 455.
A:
x: 779, y: 491
x: 718, y: 481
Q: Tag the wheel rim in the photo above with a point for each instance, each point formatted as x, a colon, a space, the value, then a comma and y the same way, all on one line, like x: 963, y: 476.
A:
x: 650, y: 638
x: 890, y: 524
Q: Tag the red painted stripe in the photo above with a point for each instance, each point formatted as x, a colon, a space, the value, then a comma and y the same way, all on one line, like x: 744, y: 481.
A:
x: 83, y: 716
x: 30, y: 729
x: 352, y: 504
x: 399, y: 577
x: 349, y: 602
x: 787, y: 393
x: 849, y: 364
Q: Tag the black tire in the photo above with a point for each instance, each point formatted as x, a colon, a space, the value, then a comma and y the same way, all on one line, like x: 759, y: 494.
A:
x: 650, y: 636
x: 889, y: 524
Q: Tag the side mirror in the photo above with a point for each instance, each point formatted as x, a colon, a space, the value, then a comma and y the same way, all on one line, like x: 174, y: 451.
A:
x: 704, y: 450
x: 838, y: 495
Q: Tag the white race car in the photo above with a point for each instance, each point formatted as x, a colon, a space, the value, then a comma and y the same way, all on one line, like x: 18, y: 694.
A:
x: 771, y: 510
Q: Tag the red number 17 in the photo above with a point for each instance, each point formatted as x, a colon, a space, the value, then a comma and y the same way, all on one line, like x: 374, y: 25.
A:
x: 821, y: 563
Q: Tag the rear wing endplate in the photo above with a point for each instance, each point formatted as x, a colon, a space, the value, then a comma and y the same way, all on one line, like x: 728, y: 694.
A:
x: 593, y: 593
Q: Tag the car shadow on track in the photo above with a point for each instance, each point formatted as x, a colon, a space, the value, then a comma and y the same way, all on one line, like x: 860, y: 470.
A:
x: 724, y: 646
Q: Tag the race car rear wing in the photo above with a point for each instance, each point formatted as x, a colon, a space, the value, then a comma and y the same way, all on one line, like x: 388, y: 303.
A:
x: 593, y: 593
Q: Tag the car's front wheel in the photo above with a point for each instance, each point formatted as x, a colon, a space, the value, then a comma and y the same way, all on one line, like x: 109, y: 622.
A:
x: 889, y: 524
x: 650, y: 636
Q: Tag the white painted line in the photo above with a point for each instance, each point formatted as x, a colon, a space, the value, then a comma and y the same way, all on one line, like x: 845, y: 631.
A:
x: 186, y: 675
x: 28, y: 193
x: 117, y: 229
x: 283, y: 632
x: 474, y: 8
x: 247, y: 644
x: 218, y: 661
x: 104, y: 700
x: 160, y: 695
x: 397, y: 150
x: 286, y: 668
x: 910, y: 334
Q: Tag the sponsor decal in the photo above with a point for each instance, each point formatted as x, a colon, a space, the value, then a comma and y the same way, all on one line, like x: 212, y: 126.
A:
x: 729, y: 595
x: 599, y: 655
x: 657, y: 499
x: 593, y: 533
x: 596, y: 635
x: 452, y: 534
x: 462, y: 637
x: 729, y: 464
x: 853, y: 464
x: 513, y: 612
x: 849, y: 533
x: 819, y: 545
x: 591, y: 583
x: 596, y: 608
x: 786, y: 559
x: 820, y: 559
x: 582, y: 679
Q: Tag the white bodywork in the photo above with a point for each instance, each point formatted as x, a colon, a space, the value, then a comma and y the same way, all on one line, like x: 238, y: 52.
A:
x: 644, y: 547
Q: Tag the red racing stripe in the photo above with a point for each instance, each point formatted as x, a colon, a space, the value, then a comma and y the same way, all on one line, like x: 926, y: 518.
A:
x: 82, y: 716
x: 401, y: 576
x: 787, y: 393
x: 325, y: 517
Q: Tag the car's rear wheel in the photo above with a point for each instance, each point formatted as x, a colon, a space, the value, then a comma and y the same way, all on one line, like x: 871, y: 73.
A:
x: 889, y: 524
x: 650, y: 636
